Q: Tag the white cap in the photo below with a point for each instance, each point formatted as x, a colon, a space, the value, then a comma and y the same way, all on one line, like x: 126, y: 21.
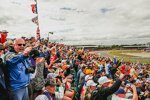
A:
x: 88, y: 77
x: 103, y: 80
x: 91, y: 83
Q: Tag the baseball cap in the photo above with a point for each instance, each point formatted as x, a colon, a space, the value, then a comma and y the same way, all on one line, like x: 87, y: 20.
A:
x: 50, y: 82
x: 103, y: 80
x: 91, y: 83
x: 52, y: 76
x: 89, y: 71
x: 120, y: 92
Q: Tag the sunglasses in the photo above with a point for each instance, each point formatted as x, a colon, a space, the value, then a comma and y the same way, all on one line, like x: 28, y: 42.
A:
x: 21, y: 44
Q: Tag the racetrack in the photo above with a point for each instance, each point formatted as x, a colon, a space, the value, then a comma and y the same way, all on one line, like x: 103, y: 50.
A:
x: 142, y: 54
x: 129, y: 56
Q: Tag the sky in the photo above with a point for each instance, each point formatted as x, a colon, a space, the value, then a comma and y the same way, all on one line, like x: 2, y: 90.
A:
x: 79, y: 21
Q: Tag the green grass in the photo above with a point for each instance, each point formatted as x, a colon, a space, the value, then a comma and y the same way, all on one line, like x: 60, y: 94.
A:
x: 120, y: 52
x: 129, y: 58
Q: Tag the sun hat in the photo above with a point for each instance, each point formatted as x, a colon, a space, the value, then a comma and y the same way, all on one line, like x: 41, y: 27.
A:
x: 103, y: 80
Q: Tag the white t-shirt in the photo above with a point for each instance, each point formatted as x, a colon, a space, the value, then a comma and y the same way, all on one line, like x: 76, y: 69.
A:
x: 115, y: 97
x: 41, y: 97
x: 58, y: 95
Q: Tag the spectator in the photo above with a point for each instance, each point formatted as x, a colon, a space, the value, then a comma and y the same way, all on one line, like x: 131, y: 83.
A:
x: 121, y: 94
x: 17, y: 63
x: 38, y: 82
x: 91, y: 86
x: 105, y: 90
x: 107, y: 68
x: 48, y: 92
x: 3, y: 90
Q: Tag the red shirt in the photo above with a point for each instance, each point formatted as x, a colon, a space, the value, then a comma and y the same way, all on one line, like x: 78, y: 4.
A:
x: 125, y: 70
x: 53, y: 58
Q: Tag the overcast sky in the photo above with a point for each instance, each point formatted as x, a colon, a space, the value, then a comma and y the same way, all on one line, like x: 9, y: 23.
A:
x: 80, y: 21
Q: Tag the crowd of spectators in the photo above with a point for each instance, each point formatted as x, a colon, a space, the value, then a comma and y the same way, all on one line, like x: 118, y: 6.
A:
x: 33, y: 69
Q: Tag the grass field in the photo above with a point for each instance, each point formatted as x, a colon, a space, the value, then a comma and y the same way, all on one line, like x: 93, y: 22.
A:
x: 130, y: 58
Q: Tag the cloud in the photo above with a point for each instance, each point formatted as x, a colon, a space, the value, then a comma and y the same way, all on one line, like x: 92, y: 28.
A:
x: 4, y: 20
x: 105, y: 10
x: 81, y: 21
x: 143, y: 36
x: 58, y: 19
x: 67, y: 8
x: 66, y: 30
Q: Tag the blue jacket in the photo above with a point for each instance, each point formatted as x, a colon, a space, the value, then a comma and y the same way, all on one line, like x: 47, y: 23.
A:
x: 17, y: 64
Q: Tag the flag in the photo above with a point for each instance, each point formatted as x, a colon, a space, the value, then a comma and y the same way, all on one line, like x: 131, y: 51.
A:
x: 35, y: 20
x: 34, y: 8
x: 3, y: 38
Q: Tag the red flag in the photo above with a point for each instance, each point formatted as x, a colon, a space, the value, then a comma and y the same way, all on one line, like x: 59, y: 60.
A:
x: 3, y: 38
x: 35, y: 20
x: 34, y: 8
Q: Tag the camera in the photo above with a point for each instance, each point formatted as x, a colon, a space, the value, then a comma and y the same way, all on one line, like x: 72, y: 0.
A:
x: 34, y: 53
x: 30, y: 70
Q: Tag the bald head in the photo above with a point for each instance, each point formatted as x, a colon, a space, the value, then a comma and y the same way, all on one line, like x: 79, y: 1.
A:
x: 19, y: 45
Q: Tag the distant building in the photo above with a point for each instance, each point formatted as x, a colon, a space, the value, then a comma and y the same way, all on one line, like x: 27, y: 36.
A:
x: 147, y: 49
x: 89, y: 47
x: 139, y: 47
